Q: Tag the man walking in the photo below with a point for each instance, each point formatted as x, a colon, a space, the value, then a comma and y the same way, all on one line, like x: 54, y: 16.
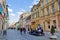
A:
x: 21, y: 31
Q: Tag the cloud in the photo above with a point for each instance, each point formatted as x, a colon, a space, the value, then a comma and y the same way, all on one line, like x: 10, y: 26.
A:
x: 35, y: 1
x: 21, y: 12
x: 10, y: 10
x: 9, y: 5
x: 30, y: 6
x: 11, y: 14
x: 15, y: 16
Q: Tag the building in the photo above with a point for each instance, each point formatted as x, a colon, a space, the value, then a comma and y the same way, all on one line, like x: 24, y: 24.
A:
x: 16, y: 25
x: 28, y: 21
x: 49, y: 13
x: 4, y: 14
x: 35, y: 16
x: 23, y: 18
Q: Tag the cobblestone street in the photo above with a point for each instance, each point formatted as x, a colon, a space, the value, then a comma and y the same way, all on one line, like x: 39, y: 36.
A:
x: 15, y: 35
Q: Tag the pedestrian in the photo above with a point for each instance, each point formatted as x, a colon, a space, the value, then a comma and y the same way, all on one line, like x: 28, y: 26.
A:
x: 4, y: 32
x: 24, y: 29
x: 28, y: 29
x: 21, y: 31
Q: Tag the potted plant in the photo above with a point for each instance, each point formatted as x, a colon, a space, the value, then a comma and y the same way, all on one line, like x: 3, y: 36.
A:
x: 53, y: 36
x: 52, y: 30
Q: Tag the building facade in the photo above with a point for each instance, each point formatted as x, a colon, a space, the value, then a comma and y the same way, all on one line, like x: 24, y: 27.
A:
x: 23, y: 18
x: 28, y: 22
x: 35, y: 14
x: 49, y: 13
x: 4, y: 15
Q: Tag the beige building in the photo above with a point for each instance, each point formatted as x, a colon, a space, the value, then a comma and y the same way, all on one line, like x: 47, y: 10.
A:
x: 23, y: 19
x: 48, y: 15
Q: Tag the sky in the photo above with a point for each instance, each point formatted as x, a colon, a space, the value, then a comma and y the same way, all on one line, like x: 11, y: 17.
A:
x: 17, y: 7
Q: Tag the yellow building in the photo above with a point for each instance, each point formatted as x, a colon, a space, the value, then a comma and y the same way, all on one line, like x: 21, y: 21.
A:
x: 35, y: 14
x: 48, y: 12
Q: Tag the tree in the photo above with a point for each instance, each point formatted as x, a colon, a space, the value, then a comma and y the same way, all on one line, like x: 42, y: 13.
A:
x: 52, y: 30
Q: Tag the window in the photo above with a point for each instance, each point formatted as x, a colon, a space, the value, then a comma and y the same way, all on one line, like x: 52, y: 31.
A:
x: 32, y: 16
x: 43, y: 11
x: 42, y: 4
x: 46, y: 1
x: 48, y: 10
x: 59, y: 5
x: 35, y: 9
x: 53, y: 9
x: 38, y: 14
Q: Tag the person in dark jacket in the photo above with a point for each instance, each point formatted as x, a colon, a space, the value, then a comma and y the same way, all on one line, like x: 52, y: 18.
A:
x: 24, y: 29
x: 21, y: 30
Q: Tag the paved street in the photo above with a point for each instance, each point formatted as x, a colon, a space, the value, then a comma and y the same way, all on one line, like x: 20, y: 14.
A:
x: 15, y: 35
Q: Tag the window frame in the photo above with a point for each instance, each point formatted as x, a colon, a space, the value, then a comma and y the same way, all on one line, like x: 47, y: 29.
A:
x: 53, y: 8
